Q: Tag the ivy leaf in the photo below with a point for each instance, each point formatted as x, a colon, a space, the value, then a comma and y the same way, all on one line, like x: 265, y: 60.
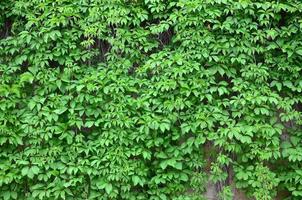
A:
x: 108, y: 188
x: 299, y: 51
x: 136, y: 180
x: 26, y: 77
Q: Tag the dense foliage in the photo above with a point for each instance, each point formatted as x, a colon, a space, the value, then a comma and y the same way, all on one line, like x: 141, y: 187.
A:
x: 150, y: 99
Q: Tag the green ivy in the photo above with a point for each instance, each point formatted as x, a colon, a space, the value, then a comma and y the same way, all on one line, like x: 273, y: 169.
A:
x: 150, y: 99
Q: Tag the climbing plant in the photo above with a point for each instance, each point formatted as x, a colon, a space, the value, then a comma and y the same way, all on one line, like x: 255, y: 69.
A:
x: 150, y: 99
